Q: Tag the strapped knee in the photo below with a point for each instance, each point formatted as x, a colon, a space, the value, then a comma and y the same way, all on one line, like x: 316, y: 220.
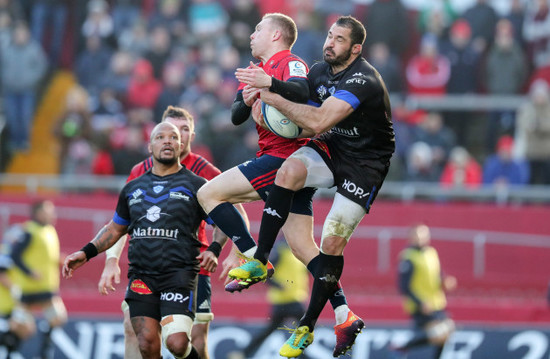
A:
x: 176, y: 323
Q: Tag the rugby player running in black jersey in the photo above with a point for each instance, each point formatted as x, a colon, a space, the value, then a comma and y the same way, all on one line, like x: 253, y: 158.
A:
x: 161, y: 213
x: 351, y: 115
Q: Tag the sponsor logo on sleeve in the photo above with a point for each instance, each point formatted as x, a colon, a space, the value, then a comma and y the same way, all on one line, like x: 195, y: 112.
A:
x: 297, y: 69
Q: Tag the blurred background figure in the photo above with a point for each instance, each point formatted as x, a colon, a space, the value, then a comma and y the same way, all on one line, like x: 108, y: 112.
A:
x: 16, y: 324
x: 34, y: 250
x: 505, y: 71
x: 24, y: 65
x: 428, y: 71
x: 287, y: 293
x: 501, y: 168
x: 422, y: 285
x: 533, y: 132
x: 461, y: 170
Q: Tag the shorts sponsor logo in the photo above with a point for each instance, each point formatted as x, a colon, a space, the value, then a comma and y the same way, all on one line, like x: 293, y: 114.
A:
x: 139, y: 287
x: 355, y: 189
x: 173, y: 297
x: 158, y: 233
x: 179, y: 195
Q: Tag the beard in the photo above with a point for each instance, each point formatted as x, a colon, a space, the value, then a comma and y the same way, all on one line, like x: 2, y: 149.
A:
x: 336, y: 60
x: 167, y: 160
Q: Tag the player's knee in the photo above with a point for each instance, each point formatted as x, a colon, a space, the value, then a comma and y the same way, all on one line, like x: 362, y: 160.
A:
x: 148, y: 343
x: 56, y: 313
x: 178, y: 344
x: 333, y: 246
x: 292, y: 174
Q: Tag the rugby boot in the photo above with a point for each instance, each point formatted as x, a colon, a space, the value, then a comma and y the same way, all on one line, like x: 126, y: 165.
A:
x: 297, y: 343
x: 346, y: 334
x: 237, y: 285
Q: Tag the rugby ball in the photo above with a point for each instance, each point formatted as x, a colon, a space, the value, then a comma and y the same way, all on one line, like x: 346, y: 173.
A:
x: 278, y: 123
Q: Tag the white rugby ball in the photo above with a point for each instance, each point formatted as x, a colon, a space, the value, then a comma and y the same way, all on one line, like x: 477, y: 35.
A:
x: 278, y: 123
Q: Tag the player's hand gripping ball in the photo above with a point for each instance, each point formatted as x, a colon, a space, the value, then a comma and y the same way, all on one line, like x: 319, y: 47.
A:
x: 278, y: 123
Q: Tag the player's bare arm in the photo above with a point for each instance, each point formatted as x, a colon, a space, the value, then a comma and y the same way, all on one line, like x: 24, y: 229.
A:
x: 209, y: 258
x: 312, y: 120
x: 111, y: 270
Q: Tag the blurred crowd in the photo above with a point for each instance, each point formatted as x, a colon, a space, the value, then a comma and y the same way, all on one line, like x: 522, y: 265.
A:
x: 132, y: 58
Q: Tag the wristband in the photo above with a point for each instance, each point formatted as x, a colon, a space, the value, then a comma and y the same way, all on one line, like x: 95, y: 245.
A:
x: 89, y: 250
x: 215, y: 248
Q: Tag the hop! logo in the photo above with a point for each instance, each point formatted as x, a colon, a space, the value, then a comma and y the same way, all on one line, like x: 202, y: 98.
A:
x: 139, y: 287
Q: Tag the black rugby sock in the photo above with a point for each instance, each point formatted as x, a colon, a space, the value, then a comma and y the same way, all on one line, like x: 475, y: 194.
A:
x: 276, y: 209
x: 338, y: 298
x: 230, y: 221
x: 194, y: 354
x: 325, y: 284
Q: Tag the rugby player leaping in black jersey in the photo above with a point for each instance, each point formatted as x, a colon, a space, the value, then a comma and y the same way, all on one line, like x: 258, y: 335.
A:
x: 352, y: 118
x: 161, y: 213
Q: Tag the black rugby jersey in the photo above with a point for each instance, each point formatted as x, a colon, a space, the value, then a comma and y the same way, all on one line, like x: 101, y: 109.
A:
x: 368, y: 131
x: 163, y: 218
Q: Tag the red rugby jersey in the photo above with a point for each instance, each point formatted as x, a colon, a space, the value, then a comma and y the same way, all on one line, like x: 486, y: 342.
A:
x: 196, y: 164
x: 283, y: 66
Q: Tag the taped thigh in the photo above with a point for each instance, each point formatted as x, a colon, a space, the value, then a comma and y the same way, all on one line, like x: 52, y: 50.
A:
x: 175, y: 323
x: 203, y: 318
x: 318, y: 173
x: 343, y: 218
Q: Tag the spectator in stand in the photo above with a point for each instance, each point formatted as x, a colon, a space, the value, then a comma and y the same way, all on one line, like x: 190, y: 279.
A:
x: 440, y: 138
x: 419, y: 164
x: 465, y: 61
x: 170, y: 14
x: 49, y: 16
x: 483, y: 20
x: 6, y: 22
x: 125, y: 13
x: 516, y: 17
x: 159, y: 49
x: 396, y: 37
x: 92, y: 64
x: 533, y: 132
x: 307, y: 44
x: 135, y: 39
x: 505, y: 72
x: 117, y: 76
x: 428, y: 72
x: 436, y: 17
x: 388, y: 65
x: 207, y: 19
x: 74, y: 131
x: 13, y: 8
x: 24, y: 64
x: 144, y: 89
x: 99, y: 22
x: 173, y: 86
x: 542, y: 73
x: 536, y: 31
x: 502, y: 169
x: 107, y: 112
x: 134, y: 150
x: 243, y: 17
x: 461, y: 170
